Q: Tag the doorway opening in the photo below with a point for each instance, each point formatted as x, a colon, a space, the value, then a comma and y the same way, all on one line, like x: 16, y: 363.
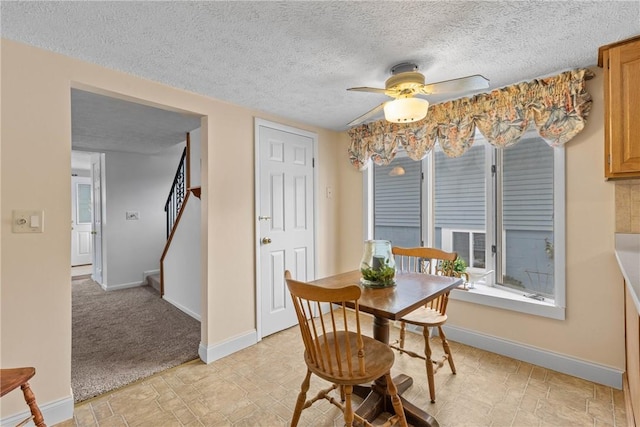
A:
x: 133, y: 150
x: 82, y: 251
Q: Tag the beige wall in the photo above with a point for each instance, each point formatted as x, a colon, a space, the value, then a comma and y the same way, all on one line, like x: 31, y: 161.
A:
x: 350, y: 222
x: 628, y: 206
x: 593, y: 329
x: 35, y: 319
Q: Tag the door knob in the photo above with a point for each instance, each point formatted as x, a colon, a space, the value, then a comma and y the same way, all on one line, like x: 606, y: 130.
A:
x: 266, y: 240
x: 94, y: 232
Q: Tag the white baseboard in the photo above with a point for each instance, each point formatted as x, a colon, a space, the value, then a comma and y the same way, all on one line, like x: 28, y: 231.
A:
x: 547, y: 359
x: 121, y: 286
x: 214, y: 352
x: 182, y: 308
x: 53, y: 412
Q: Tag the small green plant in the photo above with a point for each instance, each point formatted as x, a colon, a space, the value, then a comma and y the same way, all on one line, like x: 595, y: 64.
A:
x: 382, y: 276
x: 459, y: 266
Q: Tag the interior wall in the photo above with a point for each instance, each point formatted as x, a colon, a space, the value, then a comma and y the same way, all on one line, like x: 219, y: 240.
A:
x: 195, y: 155
x: 136, y: 183
x: 593, y: 330
x: 35, y: 268
x: 81, y: 172
x: 350, y: 221
x: 181, y: 269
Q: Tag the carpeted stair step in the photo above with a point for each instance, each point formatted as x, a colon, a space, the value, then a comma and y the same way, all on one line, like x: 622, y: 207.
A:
x: 153, y: 280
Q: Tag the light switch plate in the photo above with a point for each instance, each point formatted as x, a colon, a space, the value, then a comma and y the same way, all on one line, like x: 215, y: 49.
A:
x: 27, y: 221
x: 132, y: 215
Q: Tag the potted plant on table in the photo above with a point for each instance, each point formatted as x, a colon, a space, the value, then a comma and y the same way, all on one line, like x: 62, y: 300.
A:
x: 378, y: 268
x: 381, y: 274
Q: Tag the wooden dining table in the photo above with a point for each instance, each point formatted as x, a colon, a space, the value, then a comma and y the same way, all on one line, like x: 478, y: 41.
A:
x: 411, y: 290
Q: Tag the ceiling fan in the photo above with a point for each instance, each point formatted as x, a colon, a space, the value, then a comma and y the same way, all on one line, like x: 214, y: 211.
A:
x: 406, y: 82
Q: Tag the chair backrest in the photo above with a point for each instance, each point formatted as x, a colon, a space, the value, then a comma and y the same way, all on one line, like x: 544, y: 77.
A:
x: 428, y: 261
x: 330, y: 340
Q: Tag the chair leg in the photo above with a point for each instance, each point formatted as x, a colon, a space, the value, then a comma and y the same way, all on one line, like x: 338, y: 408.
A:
x: 395, y: 400
x: 447, y: 349
x: 348, y: 409
x: 403, y: 327
x: 429, y: 363
x: 302, y: 399
x: 30, y: 398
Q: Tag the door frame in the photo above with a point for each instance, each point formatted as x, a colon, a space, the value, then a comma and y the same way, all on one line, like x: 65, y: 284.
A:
x: 98, y: 157
x: 256, y: 155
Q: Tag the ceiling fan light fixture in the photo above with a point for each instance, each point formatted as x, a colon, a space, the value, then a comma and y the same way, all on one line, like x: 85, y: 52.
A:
x: 406, y: 110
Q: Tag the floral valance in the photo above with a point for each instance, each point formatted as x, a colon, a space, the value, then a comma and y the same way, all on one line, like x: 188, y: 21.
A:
x: 558, y: 106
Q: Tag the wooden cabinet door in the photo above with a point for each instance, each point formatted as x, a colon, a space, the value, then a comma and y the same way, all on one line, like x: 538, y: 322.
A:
x: 623, y: 104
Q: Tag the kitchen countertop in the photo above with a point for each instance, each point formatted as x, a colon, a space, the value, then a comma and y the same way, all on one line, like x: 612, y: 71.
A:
x: 628, y: 255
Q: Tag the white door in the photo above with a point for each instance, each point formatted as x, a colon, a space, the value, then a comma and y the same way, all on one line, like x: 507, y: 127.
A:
x: 285, y: 227
x: 96, y: 179
x: 81, y: 207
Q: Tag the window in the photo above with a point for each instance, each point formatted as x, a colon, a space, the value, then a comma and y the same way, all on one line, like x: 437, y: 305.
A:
x: 468, y: 244
x: 527, y: 217
x: 397, y: 207
x: 461, y: 203
x: 502, y: 211
x: 84, y: 204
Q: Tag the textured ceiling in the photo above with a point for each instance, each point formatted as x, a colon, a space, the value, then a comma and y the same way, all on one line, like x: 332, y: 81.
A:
x: 296, y: 59
x: 102, y: 123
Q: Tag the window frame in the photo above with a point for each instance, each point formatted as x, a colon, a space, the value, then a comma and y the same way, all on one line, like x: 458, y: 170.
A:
x: 494, y: 295
x: 470, y: 232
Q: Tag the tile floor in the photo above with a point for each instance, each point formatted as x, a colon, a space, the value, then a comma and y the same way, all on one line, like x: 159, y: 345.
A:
x: 258, y: 386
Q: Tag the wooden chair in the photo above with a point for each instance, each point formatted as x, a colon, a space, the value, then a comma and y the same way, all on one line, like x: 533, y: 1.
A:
x: 337, y: 353
x: 434, y: 313
x: 10, y: 379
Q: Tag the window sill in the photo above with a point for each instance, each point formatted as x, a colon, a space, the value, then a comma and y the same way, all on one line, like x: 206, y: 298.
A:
x: 508, y: 300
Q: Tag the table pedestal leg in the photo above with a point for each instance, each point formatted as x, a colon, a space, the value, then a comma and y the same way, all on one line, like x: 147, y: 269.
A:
x: 376, y: 400
x: 381, y: 329
x: 417, y: 417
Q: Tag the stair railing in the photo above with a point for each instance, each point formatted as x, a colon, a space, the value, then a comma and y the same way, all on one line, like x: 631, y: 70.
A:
x: 177, y: 193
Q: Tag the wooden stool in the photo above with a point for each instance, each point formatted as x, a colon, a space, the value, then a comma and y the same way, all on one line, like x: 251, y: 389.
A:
x: 10, y: 379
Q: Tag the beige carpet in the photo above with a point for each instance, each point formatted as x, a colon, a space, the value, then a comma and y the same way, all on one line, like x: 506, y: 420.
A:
x: 121, y: 336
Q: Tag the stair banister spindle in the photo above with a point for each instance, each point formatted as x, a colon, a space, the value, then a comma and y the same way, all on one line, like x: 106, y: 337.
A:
x: 177, y: 193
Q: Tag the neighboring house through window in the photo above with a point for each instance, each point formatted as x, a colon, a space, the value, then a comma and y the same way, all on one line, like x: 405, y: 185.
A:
x: 501, y: 210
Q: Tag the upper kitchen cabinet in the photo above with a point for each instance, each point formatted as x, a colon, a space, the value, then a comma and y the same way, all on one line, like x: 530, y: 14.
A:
x: 621, y: 63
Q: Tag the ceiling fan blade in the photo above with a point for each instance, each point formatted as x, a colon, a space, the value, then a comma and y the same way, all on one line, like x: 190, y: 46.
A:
x: 462, y: 84
x: 368, y: 89
x: 366, y: 115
